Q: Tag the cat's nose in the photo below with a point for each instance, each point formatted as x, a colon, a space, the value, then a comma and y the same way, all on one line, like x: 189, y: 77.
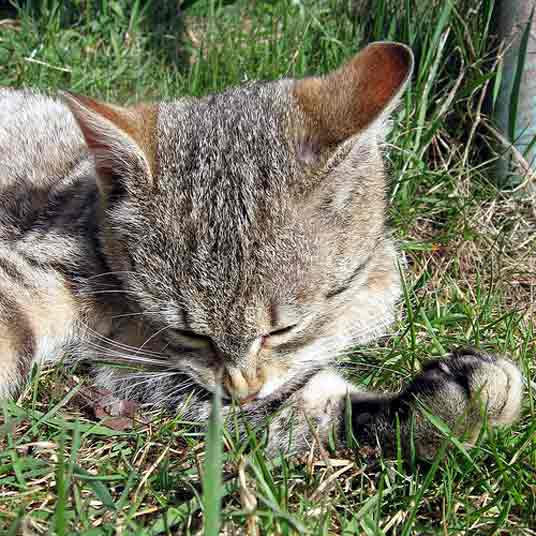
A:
x: 243, y: 385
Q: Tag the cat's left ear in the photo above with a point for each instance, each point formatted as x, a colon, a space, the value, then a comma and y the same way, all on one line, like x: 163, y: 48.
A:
x: 121, y: 139
x: 349, y: 100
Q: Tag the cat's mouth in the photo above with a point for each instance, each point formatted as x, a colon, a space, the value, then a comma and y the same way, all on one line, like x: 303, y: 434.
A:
x: 269, y: 398
x: 274, y: 400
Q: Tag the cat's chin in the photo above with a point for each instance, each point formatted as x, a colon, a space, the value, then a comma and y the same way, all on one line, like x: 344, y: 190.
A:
x: 272, y: 386
x: 280, y: 391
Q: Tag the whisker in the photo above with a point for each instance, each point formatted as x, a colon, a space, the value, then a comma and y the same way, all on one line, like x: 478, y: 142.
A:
x: 123, y: 346
x: 121, y: 291
x: 103, y: 274
x: 155, y: 335
x: 177, y: 388
x: 118, y: 358
x: 140, y: 313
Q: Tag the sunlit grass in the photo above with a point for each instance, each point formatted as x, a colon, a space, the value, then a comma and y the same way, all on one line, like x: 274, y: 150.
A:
x: 470, y: 279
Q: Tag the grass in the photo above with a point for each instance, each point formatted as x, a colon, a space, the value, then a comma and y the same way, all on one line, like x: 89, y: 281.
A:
x: 470, y: 279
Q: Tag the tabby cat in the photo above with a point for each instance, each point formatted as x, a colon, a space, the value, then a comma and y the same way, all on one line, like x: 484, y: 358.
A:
x: 236, y: 239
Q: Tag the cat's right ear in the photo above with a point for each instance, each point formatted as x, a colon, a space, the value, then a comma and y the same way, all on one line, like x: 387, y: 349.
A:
x: 347, y: 101
x: 121, y: 139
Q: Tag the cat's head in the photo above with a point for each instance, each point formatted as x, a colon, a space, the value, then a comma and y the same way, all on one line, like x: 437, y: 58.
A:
x: 248, y: 227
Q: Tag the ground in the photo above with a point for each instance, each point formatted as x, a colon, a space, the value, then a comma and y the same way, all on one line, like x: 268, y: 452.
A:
x: 468, y: 239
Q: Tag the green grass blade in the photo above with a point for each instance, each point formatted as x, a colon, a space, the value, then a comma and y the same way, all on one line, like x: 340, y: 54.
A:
x: 100, y: 490
x: 61, y: 490
x: 213, y: 466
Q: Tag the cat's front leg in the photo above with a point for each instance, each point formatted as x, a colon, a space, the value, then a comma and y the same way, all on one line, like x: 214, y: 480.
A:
x: 455, y: 389
x: 38, y: 319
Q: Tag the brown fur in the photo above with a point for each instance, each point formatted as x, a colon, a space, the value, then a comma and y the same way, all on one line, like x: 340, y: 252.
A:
x: 345, y: 102
x: 138, y: 122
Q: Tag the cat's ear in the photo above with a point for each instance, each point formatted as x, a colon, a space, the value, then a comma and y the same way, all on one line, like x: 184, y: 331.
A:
x: 348, y: 100
x: 121, y: 139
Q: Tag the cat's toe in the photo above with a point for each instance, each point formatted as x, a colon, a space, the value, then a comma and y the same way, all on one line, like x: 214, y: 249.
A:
x: 501, y: 384
x: 495, y: 381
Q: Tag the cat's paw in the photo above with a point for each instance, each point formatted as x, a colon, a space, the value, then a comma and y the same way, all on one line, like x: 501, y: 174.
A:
x: 468, y: 377
x: 461, y: 390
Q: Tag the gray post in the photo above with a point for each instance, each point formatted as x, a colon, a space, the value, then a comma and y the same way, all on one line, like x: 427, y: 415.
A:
x: 514, y: 16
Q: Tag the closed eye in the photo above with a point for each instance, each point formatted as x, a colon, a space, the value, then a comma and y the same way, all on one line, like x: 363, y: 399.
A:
x: 281, y: 331
x: 187, y: 340
x: 274, y: 335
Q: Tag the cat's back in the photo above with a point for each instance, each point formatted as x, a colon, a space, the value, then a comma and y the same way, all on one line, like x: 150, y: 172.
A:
x: 42, y: 152
x: 39, y: 139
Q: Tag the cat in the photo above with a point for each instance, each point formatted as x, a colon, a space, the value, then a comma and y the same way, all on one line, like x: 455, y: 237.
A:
x: 237, y: 239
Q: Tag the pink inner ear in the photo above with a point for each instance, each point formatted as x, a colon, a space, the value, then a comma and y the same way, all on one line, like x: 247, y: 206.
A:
x: 343, y: 103
x: 112, y: 132
x: 96, y: 120
x: 380, y: 71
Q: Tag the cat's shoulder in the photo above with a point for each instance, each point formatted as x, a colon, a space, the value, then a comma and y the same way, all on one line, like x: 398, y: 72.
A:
x: 14, y: 101
x: 35, y: 129
x: 41, y: 150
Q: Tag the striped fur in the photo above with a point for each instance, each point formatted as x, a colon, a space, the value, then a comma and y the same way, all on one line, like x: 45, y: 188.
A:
x: 237, y: 238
